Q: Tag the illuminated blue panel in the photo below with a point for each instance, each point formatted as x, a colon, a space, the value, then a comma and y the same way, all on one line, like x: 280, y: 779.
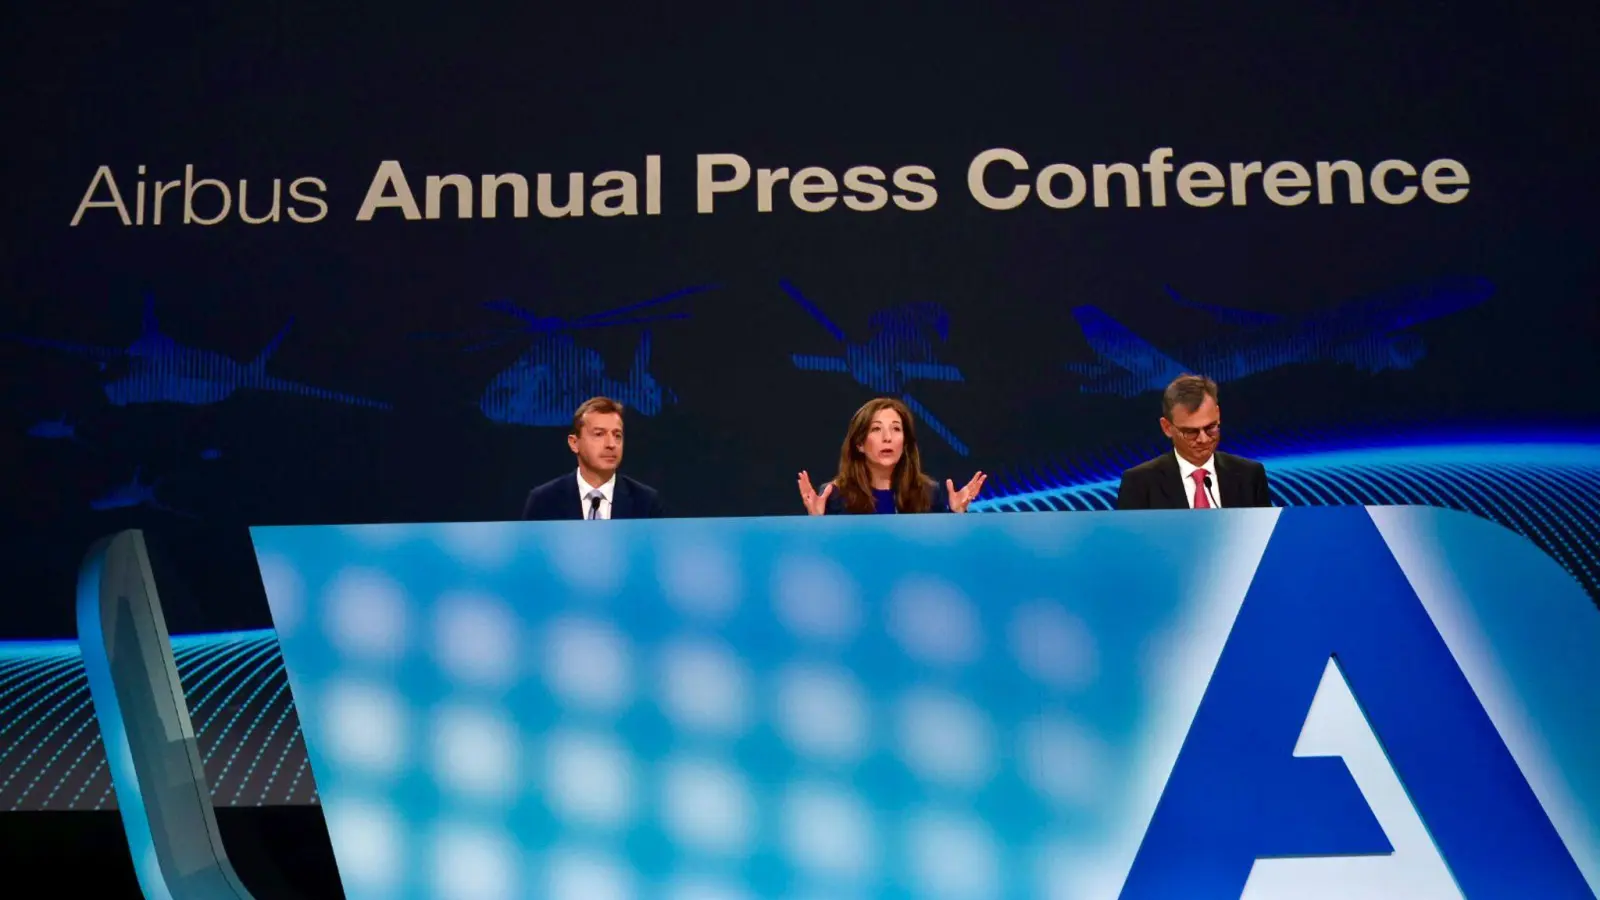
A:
x: 942, y: 706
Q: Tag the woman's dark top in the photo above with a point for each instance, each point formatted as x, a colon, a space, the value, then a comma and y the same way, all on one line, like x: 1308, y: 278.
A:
x: 883, y: 501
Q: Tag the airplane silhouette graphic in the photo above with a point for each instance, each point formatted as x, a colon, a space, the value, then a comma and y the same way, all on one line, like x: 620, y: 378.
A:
x: 134, y: 494
x: 161, y: 370
x: 55, y: 430
x: 1368, y: 333
x: 553, y: 373
x: 901, y: 349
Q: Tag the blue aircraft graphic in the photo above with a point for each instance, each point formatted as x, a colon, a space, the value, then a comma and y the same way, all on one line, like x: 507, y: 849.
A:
x: 900, y: 350
x: 133, y: 494
x: 161, y: 370
x: 1368, y: 333
x: 554, y: 373
x: 55, y: 430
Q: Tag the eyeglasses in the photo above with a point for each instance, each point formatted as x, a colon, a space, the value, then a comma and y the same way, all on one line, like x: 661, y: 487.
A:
x: 1190, y: 434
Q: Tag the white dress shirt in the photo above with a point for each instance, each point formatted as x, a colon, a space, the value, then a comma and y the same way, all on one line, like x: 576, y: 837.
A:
x: 1186, y: 470
x: 606, y: 490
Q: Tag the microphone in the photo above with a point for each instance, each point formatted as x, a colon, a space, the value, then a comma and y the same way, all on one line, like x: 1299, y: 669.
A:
x: 594, y: 506
x: 1214, y: 504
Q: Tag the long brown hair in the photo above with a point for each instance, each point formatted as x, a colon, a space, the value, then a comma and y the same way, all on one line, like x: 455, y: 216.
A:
x: 913, y: 491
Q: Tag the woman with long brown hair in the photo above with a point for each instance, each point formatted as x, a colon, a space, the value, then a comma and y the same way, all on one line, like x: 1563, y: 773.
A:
x: 880, y: 470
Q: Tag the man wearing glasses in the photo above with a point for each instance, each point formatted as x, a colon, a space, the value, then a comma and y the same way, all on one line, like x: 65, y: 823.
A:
x: 1195, y: 475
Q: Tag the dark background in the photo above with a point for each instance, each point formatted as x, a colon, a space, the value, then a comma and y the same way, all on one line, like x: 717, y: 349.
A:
x: 287, y: 90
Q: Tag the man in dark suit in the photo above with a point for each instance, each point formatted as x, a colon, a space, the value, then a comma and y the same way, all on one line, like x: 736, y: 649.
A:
x: 596, y: 490
x: 1195, y: 475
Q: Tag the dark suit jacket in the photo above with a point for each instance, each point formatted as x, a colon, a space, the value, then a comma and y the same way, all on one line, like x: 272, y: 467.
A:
x: 1157, y: 484
x: 559, y: 499
x: 938, y: 503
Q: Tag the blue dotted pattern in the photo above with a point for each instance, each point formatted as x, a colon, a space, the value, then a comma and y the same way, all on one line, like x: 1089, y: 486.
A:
x: 834, y: 708
x: 51, y: 757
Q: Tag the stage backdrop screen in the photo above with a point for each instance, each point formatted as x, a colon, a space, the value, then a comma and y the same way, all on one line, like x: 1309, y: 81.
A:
x: 293, y: 264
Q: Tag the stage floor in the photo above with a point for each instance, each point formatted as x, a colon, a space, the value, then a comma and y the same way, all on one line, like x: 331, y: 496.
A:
x: 280, y: 852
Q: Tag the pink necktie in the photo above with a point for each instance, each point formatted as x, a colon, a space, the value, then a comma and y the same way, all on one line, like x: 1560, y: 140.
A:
x: 1201, y: 501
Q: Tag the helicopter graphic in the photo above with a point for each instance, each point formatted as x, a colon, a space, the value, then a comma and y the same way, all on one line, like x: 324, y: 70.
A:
x: 1368, y: 333
x: 901, y: 349
x: 55, y: 430
x: 553, y: 374
x: 161, y: 370
x: 134, y: 494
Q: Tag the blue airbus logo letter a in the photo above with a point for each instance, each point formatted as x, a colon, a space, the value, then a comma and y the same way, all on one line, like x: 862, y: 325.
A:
x: 1328, y: 586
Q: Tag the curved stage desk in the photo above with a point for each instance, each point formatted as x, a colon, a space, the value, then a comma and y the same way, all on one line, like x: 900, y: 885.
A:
x: 1305, y: 703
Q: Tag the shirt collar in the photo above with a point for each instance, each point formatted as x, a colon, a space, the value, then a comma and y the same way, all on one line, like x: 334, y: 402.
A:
x: 1186, y: 468
x: 606, y: 490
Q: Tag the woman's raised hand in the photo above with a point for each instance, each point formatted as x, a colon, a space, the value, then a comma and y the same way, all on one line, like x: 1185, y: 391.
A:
x: 815, y: 502
x: 960, y: 499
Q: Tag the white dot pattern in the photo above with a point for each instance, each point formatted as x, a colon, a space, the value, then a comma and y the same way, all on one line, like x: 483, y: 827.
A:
x: 822, y: 713
x: 741, y: 717
x: 953, y: 857
x: 1053, y: 645
x: 698, y: 575
x: 477, y: 639
x: 474, y: 863
x: 366, y: 614
x: 829, y: 832
x: 589, y: 780
x: 945, y: 739
x: 588, y: 664
x: 476, y: 753
x: 705, y: 688
x: 583, y: 875
x: 933, y: 621
x: 815, y: 598
x: 706, y: 806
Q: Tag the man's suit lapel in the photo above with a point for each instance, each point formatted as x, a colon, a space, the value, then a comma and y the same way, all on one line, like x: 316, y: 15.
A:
x: 1169, y: 484
x: 573, y: 501
x: 1234, y: 492
x: 620, y: 498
